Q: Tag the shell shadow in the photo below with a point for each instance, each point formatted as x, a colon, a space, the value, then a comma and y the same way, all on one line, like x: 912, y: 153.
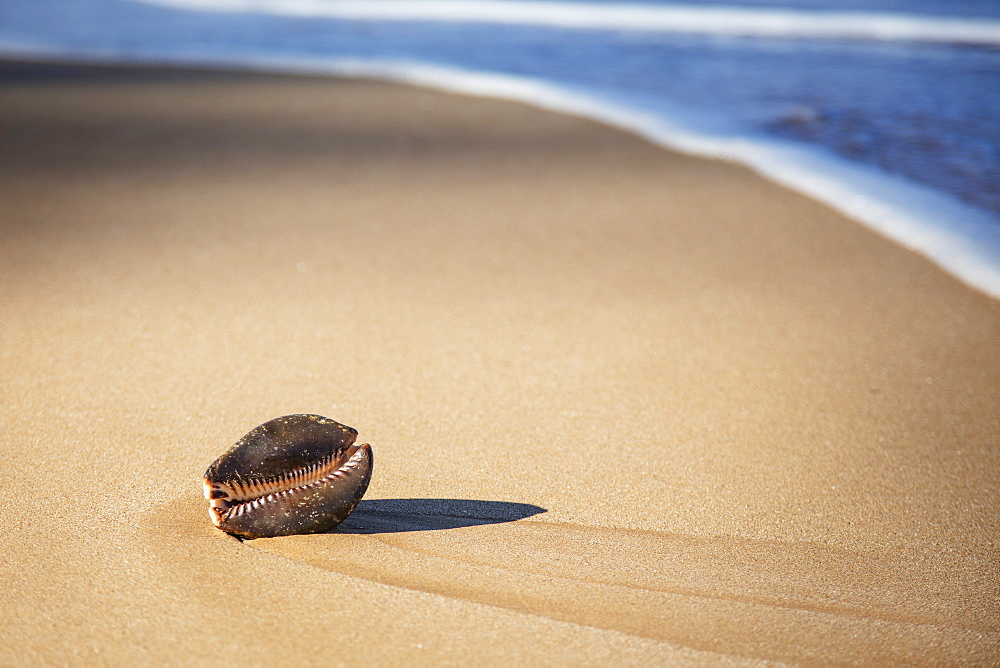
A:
x: 402, y: 515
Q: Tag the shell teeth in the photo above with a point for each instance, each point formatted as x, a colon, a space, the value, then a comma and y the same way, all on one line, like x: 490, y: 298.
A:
x: 246, y: 495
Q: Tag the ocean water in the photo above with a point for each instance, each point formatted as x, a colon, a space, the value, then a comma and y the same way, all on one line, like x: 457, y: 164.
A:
x: 888, y: 110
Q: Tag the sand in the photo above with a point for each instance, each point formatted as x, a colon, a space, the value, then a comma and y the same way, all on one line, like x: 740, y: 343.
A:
x: 626, y: 406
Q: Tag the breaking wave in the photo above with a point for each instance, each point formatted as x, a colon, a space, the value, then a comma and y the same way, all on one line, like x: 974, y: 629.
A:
x: 709, y: 20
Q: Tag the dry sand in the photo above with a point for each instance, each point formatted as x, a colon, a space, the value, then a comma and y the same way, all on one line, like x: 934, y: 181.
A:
x: 627, y: 406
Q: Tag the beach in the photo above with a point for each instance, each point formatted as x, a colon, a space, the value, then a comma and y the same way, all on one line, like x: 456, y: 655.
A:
x: 626, y: 406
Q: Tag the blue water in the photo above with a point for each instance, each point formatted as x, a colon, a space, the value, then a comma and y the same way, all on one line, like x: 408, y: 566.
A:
x: 926, y: 112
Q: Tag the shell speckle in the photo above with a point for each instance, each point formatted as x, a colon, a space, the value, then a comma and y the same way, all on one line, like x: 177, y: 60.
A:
x: 293, y: 474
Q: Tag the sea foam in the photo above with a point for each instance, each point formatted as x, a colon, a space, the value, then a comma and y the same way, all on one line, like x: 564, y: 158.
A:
x: 704, y: 19
x: 962, y: 239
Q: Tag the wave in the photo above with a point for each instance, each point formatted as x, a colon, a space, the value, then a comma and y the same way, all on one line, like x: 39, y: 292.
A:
x: 961, y: 239
x: 711, y: 20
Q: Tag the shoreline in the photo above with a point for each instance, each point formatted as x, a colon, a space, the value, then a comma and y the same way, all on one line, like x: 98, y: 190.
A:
x: 585, y: 379
x: 961, y: 239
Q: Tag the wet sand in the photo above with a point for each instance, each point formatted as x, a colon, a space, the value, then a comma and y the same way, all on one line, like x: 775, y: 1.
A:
x: 627, y: 406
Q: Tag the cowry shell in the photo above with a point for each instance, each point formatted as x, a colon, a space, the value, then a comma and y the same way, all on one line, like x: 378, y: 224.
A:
x: 293, y: 474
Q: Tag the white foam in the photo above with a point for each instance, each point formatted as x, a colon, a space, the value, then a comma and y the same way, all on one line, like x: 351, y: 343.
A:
x: 961, y: 239
x: 705, y: 19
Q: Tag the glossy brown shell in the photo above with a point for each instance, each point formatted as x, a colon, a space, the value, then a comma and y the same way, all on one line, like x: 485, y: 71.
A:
x: 293, y: 474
